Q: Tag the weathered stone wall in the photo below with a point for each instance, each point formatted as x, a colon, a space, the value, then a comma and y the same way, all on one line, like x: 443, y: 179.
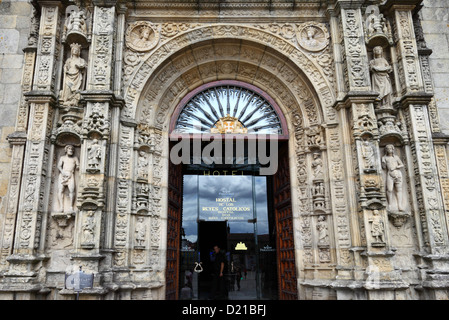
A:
x: 435, y: 23
x: 15, y: 21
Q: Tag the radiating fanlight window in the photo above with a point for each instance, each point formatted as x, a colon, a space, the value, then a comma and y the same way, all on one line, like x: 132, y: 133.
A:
x: 228, y: 109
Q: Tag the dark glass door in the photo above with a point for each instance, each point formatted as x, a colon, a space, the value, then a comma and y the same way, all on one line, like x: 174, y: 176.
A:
x: 230, y: 211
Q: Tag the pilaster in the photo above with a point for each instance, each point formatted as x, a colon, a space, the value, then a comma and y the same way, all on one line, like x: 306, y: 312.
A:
x: 41, y: 100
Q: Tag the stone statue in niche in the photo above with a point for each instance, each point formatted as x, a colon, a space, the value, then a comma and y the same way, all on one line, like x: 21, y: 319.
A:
x: 93, y: 156
x: 140, y: 232
x: 323, y: 233
x: 317, y: 166
x: 393, y: 165
x: 67, y: 165
x: 376, y: 23
x: 377, y: 228
x: 88, y: 228
x: 74, y: 69
x: 380, y: 78
x: 368, y: 156
x: 142, y: 165
x: 76, y: 22
x: 319, y: 189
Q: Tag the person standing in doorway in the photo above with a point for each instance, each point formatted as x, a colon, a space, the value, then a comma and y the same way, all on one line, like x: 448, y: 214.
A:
x: 218, y: 289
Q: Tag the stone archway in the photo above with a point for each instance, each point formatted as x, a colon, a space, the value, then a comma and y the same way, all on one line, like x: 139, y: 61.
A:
x: 208, y: 60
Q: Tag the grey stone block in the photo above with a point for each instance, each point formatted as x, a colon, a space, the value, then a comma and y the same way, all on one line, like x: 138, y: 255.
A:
x: 12, y: 93
x: 9, y: 40
x: 8, y: 114
x: 20, y: 8
x: 7, y: 22
x: 12, y: 61
x: 11, y: 76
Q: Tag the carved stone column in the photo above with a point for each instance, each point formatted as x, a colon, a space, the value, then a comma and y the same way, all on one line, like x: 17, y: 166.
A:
x: 96, y: 138
x: 32, y: 208
x: 418, y: 106
x: 372, y: 248
x: 17, y: 141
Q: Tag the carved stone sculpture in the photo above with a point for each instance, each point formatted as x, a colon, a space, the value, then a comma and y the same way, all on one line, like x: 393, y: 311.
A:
x: 141, y: 36
x: 140, y: 232
x: 393, y: 164
x: 142, y: 165
x: 76, y: 22
x: 317, y: 166
x: 375, y: 23
x: 368, y: 156
x: 377, y: 228
x: 74, y: 69
x: 313, y: 37
x: 94, y: 157
x: 67, y: 165
x: 88, y: 229
x: 380, y: 78
x: 323, y: 233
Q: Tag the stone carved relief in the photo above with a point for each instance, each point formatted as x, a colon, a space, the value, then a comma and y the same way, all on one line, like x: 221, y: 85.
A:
x: 380, y: 78
x: 376, y: 26
x: 75, y: 26
x: 97, y: 123
x: 140, y: 233
x: 323, y: 232
x: 317, y: 166
x: 313, y: 37
x: 142, y: 166
x: 368, y: 154
x: 377, y: 229
x: 94, y: 156
x: 74, y: 69
x: 139, y: 77
x: 355, y: 52
x: 88, y: 229
x: 407, y: 53
x: 142, y: 36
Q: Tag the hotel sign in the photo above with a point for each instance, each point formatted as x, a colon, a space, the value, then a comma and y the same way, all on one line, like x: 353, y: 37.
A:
x: 226, y: 205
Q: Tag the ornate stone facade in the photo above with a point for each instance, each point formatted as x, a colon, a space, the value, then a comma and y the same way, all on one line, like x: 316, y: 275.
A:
x: 89, y: 166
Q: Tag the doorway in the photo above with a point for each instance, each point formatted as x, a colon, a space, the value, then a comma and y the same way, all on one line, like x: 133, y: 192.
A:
x: 234, y: 213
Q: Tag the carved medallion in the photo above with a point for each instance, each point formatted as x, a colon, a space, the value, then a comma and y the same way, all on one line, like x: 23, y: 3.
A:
x: 142, y: 36
x: 312, y: 37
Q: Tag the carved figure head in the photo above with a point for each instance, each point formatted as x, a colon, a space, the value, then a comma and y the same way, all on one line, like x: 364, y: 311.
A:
x: 378, y: 51
x: 69, y: 150
x: 389, y: 149
x: 76, y: 49
x: 145, y: 32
